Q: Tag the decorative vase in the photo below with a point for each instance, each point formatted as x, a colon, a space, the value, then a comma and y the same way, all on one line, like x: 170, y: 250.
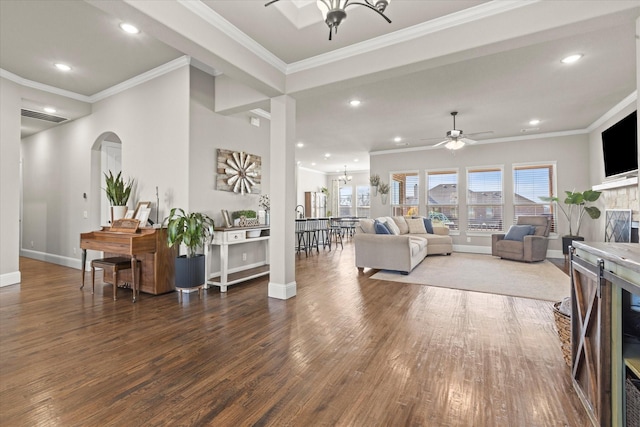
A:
x: 383, y: 197
x: 375, y: 190
x: 118, y: 212
x: 267, y: 218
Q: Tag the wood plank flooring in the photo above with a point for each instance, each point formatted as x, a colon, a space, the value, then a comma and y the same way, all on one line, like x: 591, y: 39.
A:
x: 346, y: 351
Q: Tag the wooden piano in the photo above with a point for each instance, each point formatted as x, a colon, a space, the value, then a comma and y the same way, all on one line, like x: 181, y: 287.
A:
x: 147, y: 245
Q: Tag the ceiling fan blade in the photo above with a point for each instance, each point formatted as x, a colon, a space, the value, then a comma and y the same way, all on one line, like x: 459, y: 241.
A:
x: 478, y: 133
x: 270, y: 2
x: 442, y: 142
x: 434, y: 138
x: 468, y: 141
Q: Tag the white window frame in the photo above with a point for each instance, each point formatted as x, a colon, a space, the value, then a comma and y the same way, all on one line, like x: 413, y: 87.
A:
x: 554, y: 190
x: 488, y: 230
x: 401, y: 208
x: 456, y: 229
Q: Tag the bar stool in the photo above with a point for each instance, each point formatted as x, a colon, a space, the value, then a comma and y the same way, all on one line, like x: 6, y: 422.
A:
x: 115, y: 264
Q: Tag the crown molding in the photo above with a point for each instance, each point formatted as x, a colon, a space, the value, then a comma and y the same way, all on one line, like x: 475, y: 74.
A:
x: 439, y: 24
x: 633, y: 97
x: 128, y: 84
x: 142, y: 78
x: 214, y: 19
x: 43, y: 87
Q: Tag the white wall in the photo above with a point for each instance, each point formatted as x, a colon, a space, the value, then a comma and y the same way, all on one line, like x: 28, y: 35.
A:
x: 309, y: 180
x: 9, y: 182
x: 151, y: 120
x: 210, y: 131
x: 571, y: 154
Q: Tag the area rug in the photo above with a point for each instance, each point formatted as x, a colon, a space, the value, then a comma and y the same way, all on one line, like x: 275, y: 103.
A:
x: 488, y: 274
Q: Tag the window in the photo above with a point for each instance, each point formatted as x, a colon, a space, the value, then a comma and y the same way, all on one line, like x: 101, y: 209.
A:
x: 362, y: 201
x: 442, y: 197
x: 346, y: 202
x: 404, y: 193
x: 530, y: 182
x: 485, y: 204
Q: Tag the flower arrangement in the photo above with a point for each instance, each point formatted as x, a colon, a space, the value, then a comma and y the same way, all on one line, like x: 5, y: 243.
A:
x: 383, y: 188
x: 264, y: 202
x: 374, y: 180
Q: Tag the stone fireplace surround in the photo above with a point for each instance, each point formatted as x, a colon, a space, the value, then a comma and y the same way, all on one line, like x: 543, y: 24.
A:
x: 623, y: 194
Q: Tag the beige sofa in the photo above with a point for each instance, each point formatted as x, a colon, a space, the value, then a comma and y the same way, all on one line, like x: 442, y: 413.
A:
x: 401, y: 251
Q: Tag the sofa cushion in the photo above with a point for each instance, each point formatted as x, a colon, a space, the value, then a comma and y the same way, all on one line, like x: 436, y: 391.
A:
x: 415, y: 247
x: 367, y: 226
x: 401, y: 223
x: 391, y: 225
x: 428, y: 225
x: 381, y: 228
x: 517, y: 232
x: 416, y: 226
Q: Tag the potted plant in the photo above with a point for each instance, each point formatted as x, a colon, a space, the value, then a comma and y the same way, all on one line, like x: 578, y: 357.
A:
x: 374, y: 180
x: 195, y: 230
x: 383, y: 188
x: 576, y: 207
x: 118, y: 191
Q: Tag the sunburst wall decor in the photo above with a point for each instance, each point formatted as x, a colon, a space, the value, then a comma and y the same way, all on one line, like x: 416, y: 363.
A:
x: 239, y: 172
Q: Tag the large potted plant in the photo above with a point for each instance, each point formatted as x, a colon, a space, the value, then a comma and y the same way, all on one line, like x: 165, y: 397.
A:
x: 195, y: 230
x: 576, y: 207
x: 118, y: 191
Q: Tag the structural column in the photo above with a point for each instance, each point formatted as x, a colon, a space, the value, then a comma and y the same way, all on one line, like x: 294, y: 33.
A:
x: 282, y: 283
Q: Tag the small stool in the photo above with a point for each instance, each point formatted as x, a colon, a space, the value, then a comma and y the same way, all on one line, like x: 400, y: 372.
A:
x: 115, y: 264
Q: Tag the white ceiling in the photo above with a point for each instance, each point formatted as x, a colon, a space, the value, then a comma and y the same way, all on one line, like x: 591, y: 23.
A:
x: 496, y: 63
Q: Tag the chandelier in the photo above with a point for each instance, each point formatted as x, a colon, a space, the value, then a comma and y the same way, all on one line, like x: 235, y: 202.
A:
x: 333, y: 11
x: 346, y: 178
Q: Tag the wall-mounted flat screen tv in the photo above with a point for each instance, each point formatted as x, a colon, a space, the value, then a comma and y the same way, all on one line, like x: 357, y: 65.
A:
x: 620, y: 147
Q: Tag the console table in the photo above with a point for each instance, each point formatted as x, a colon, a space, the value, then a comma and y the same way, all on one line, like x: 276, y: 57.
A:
x: 249, y: 238
x: 604, y: 277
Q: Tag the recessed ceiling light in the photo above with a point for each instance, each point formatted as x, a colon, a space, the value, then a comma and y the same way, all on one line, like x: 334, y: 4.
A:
x: 397, y: 139
x: 49, y: 110
x: 313, y: 163
x: 299, y: 162
x: 571, y: 58
x: 534, y: 122
x: 356, y: 160
x: 128, y: 28
x: 327, y: 155
x: 354, y: 102
x: 62, y: 67
x: 300, y: 145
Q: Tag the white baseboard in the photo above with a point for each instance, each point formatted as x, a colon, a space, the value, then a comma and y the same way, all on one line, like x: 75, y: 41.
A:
x: 8, y: 279
x: 54, y: 259
x: 282, y: 291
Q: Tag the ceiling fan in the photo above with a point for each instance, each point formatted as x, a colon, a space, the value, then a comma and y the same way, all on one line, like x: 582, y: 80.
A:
x: 456, y: 139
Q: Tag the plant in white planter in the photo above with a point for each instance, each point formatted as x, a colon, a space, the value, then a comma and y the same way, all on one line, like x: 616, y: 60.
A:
x: 118, y: 191
x: 374, y: 180
x: 383, y: 188
x: 195, y: 230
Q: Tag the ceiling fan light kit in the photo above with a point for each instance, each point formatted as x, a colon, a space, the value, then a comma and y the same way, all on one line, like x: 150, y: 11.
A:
x: 334, y: 11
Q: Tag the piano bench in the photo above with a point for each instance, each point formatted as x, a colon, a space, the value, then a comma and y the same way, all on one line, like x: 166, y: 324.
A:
x: 115, y: 264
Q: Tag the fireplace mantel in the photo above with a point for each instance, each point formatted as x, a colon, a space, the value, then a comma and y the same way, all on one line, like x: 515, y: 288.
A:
x: 627, y: 182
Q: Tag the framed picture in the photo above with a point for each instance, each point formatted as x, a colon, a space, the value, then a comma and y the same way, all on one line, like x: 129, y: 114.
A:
x: 129, y: 214
x: 226, y: 218
x: 141, y: 205
x: 142, y: 215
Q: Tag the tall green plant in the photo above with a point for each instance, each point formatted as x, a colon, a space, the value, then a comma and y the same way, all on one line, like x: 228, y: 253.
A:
x: 193, y: 229
x: 118, y: 191
x: 576, y: 207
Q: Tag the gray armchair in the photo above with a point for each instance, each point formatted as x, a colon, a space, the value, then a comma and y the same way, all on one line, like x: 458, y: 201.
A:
x: 531, y: 248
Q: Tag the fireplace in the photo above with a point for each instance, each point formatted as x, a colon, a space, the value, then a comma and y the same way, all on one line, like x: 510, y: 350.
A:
x: 622, y: 209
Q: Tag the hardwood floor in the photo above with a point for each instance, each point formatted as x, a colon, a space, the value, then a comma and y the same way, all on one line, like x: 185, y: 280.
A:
x: 346, y: 351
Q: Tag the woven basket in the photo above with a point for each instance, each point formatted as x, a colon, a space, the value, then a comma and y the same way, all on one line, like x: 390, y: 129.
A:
x: 563, y: 324
x: 633, y: 402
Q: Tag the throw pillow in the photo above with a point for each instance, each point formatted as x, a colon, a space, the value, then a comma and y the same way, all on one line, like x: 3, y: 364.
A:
x: 416, y: 226
x: 517, y: 232
x: 381, y: 227
x: 391, y: 225
x: 402, y: 224
x: 367, y: 226
x: 428, y: 225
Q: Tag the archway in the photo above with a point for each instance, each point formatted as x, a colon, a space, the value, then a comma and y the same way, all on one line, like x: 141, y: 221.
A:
x: 106, y: 155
